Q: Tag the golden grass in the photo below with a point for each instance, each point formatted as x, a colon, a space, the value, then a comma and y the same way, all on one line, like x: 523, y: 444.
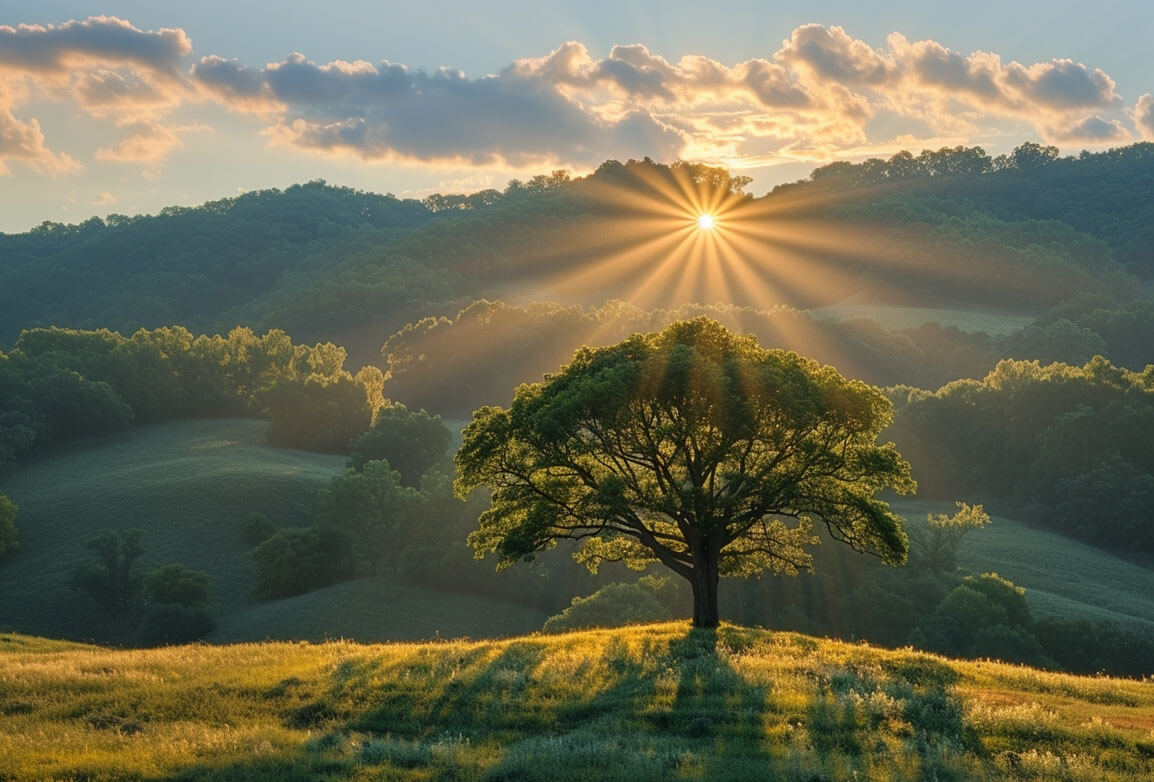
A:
x: 652, y: 702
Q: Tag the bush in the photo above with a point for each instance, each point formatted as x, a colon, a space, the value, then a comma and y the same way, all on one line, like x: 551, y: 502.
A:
x: 298, y: 560
x: 172, y: 623
x: 8, y: 540
x: 257, y: 529
x: 651, y: 599
x: 177, y: 585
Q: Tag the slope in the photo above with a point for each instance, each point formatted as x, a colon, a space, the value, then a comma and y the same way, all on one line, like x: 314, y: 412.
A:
x: 645, y: 703
x: 190, y: 485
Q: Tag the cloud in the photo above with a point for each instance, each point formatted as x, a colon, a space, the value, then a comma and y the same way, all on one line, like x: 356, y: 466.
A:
x: 99, y: 39
x: 1143, y: 115
x: 104, y: 66
x: 147, y: 142
x: 390, y: 112
x: 25, y: 142
x: 104, y: 198
x: 821, y: 94
x: 1091, y: 130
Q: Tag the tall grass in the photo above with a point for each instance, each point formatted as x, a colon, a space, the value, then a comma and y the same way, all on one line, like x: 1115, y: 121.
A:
x: 653, y: 702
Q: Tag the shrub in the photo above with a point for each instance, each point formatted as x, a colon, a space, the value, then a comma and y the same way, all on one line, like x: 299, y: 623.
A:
x: 172, y: 623
x: 298, y: 560
x: 651, y: 599
x: 177, y: 584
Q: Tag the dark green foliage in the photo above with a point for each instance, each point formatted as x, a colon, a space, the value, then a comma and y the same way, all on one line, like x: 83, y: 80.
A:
x: 691, y: 447
x: 177, y: 585
x: 257, y: 529
x: 174, y: 623
x: 410, y: 442
x: 112, y: 579
x: 649, y: 599
x: 8, y: 538
x: 186, y: 265
x: 984, y: 616
x: 317, y: 413
x: 373, y: 511
x: 297, y: 560
x: 59, y: 385
x: 1062, y: 439
x: 1087, y: 647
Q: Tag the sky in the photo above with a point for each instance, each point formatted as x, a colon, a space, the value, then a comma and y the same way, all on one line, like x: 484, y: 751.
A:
x: 127, y: 106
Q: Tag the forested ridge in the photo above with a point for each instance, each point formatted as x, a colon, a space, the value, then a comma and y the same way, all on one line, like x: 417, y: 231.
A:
x: 1025, y: 231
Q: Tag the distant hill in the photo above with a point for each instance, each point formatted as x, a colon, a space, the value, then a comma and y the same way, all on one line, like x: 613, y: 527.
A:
x: 326, y: 262
x: 645, y: 703
x: 190, y: 485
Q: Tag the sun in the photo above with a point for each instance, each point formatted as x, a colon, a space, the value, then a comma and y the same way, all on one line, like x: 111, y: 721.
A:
x: 705, y: 222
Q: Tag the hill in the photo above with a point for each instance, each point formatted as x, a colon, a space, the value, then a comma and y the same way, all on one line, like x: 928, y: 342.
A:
x: 190, y: 485
x: 652, y: 702
x: 328, y: 263
x: 1091, y: 583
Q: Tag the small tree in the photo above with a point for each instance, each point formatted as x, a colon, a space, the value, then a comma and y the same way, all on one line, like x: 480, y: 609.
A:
x: 946, y: 532
x: 410, y: 442
x: 8, y: 541
x: 177, y: 584
x: 371, y: 508
x: 112, y: 580
x: 692, y: 447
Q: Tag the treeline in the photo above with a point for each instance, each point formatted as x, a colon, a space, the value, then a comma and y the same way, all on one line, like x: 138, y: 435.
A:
x: 1104, y: 195
x: 454, y: 365
x: 1068, y: 445
x: 186, y: 265
x: 58, y: 385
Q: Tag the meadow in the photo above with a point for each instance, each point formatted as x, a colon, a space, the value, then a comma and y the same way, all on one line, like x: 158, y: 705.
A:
x: 648, y: 702
x: 190, y: 485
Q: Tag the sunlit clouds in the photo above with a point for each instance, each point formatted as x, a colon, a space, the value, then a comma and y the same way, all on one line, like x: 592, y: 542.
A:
x: 819, y: 94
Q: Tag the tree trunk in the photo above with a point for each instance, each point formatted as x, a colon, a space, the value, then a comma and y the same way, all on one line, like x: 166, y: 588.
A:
x: 704, y: 580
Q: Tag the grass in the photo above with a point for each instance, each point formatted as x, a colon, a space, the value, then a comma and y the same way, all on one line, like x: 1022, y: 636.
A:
x: 993, y: 322
x: 1062, y: 576
x: 190, y: 485
x: 652, y: 702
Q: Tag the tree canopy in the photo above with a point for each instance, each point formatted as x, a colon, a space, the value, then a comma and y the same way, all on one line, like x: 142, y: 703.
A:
x: 692, y: 447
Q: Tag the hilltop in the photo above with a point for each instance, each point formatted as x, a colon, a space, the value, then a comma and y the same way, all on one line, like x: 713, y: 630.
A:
x: 640, y: 703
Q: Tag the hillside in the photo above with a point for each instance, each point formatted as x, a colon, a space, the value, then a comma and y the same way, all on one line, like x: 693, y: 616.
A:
x: 190, y: 485
x: 1091, y: 583
x: 329, y: 263
x: 643, y: 703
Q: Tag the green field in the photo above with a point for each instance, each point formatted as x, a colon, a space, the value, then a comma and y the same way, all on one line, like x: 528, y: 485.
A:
x: 1061, y: 575
x: 190, y: 485
x: 644, y: 703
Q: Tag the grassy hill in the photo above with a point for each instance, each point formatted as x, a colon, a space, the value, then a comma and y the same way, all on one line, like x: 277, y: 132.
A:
x: 653, y: 702
x: 1062, y: 576
x: 190, y: 485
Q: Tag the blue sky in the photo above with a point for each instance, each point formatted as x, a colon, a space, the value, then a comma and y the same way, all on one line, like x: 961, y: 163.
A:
x: 156, y: 103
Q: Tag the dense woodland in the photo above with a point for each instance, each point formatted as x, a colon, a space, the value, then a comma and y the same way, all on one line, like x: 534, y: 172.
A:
x: 205, y: 312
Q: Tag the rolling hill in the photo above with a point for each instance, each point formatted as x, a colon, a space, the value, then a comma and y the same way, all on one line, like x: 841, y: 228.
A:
x: 190, y: 485
x: 643, y: 703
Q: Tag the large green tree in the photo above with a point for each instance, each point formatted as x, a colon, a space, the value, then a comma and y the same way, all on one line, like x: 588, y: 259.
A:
x: 692, y: 447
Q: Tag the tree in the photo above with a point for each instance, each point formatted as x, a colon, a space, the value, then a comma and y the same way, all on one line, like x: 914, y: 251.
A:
x: 372, y: 508
x: 177, y: 584
x: 946, y: 532
x: 411, y: 442
x: 8, y: 541
x: 113, y: 580
x: 692, y: 447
